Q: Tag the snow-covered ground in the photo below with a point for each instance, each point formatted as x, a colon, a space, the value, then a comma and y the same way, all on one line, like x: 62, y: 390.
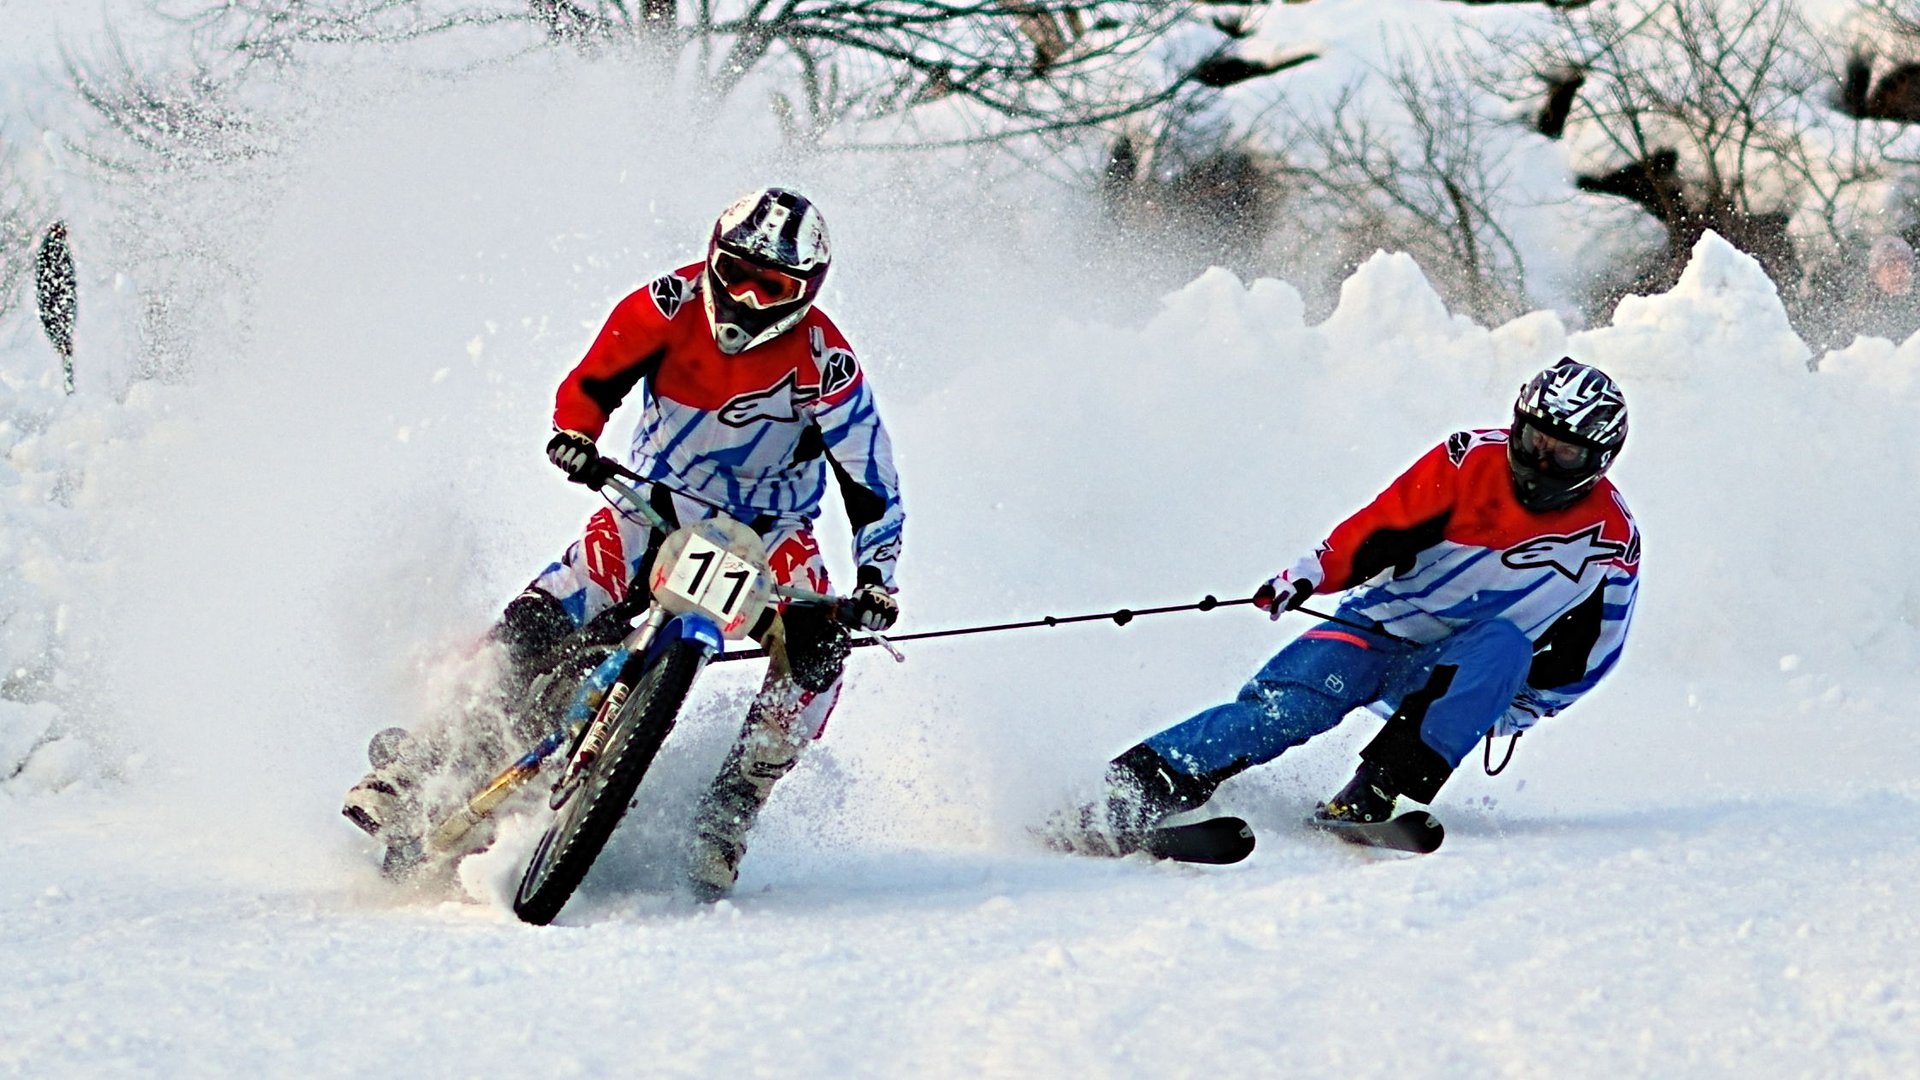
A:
x: 1703, y: 870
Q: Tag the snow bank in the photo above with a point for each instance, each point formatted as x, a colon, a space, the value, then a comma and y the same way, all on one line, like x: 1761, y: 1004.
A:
x: 46, y: 442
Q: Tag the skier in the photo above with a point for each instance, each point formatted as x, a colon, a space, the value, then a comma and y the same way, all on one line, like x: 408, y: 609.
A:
x: 1495, y: 582
x: 749, y: 397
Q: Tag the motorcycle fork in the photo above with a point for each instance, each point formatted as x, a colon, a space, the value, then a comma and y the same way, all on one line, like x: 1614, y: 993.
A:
x: 593, y: 739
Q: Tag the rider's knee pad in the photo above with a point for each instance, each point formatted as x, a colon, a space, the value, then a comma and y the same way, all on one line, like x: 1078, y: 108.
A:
x: 816, y: 647
x: 532, y: 624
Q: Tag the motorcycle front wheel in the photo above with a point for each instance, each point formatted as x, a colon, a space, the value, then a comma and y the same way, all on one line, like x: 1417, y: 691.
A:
x: 584, y: 823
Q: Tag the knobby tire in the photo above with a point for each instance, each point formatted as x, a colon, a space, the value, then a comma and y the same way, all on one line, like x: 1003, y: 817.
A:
x: 576, y: 837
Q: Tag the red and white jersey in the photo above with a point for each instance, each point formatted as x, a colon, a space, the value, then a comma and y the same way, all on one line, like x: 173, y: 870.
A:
x: 1448, y: 545
x: 753, y: 433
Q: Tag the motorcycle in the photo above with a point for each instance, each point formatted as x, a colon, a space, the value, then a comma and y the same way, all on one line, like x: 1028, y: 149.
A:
x: 710, y: 584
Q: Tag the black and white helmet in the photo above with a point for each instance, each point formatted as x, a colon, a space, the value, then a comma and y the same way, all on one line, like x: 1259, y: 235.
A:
x: 765, y: 265
x: 1569, y: 424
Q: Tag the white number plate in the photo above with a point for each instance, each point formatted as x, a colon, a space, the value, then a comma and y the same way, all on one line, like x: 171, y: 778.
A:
x: 713, y: 579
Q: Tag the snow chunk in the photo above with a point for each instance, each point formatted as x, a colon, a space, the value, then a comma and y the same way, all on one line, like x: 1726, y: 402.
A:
x: 56, y: 766
x: 1217, y: 300
x: 1533, y: 340
x: 1390, y: 298
x: 1878, y: 363
x: 1278, y: 305
x: 22, y: 728
x: 1723, y: 312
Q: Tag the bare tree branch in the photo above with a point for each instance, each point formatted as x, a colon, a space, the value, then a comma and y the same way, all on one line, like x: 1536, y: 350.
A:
x: 1424, y: 176
x: 1021, y: 61
x: 1721, y: 114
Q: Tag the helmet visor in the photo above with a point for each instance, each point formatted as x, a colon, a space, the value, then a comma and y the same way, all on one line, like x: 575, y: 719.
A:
x: 1550, y: 454
x: 758, y: 287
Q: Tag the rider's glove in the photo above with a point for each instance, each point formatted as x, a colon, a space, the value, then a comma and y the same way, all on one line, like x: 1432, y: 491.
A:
x: 574, y: 453
x: 1282, y: 593
x: 874, y: 609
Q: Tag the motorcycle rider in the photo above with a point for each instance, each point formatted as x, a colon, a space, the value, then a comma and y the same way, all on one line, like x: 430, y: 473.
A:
x: 750, y: 397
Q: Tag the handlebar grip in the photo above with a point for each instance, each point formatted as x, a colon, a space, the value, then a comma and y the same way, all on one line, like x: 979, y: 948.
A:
x: 804, y: 596
x: 607, y: 470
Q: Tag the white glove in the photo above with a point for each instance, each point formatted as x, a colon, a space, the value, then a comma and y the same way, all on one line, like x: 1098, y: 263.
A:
x: 1289, y: 588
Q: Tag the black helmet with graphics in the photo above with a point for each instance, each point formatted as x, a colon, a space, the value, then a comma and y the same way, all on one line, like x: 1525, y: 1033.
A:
x: 765, y: 265
x: 1569, y: 424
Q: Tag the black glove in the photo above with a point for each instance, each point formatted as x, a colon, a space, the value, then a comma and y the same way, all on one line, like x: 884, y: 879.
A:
x: 574, y: 453
x: 873, y: 608
x: 1281, y: 594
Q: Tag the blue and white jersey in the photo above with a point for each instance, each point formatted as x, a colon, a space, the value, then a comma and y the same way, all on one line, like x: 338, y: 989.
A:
x: 1448, y: 545
x: 754, y: 433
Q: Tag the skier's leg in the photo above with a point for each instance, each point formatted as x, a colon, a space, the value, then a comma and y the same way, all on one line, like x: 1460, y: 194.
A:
x: 1303, y: 691
x: 1457, y: 692
x: 807, y: 651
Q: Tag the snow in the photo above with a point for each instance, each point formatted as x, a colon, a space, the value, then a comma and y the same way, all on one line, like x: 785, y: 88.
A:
x: 1702, y: 870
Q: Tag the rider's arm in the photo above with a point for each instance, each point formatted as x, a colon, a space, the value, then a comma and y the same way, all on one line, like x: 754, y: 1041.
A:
x: 861, y: 456
x: 629, y: 348
x: 1404, y: 520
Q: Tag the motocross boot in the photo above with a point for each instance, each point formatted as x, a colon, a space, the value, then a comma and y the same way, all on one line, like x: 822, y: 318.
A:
x: 386, y: 796
x: 765, y: 751
x: 385, y: 804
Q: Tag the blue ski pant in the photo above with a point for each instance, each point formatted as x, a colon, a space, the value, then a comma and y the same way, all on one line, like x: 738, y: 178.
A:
x: 1459, y: 686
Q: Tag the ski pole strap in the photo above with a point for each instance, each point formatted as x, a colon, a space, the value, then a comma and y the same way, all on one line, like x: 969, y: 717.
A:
x: 1366, y: 628
x: 1487, y: 754
x: 1120, y: 617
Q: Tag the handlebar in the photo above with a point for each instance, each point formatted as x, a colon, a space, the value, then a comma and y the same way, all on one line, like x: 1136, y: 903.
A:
x: 615, y: 478
x: 621, y: 479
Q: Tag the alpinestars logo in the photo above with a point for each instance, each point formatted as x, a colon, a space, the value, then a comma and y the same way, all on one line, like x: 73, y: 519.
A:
x: 776, y: 402
x: 836, y: 366
x: 885, y: 553
x: 1571, y: 555
x: 669, y: 292
x: 1460, y: 442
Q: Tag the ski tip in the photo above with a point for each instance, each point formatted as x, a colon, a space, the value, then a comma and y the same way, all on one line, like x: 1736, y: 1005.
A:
x: 1217, y: 841
x: 1415, y: 832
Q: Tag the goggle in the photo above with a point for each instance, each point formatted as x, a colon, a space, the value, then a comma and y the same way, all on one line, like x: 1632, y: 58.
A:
x: 1554, y: 454
x: 756, y: 286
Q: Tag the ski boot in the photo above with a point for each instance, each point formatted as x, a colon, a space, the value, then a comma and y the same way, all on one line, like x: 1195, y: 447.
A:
x: 764, y: 753
x: 1144, y: 789
x: 1368, y: 798
x: 1141, y: 790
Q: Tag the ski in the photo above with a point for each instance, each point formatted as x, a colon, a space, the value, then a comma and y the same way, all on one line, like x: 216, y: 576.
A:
x: 1415, y: 831
x: 1218, y: 841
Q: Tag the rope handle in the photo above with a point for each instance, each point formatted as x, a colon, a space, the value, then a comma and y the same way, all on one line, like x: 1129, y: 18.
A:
x: 1487, y: 757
